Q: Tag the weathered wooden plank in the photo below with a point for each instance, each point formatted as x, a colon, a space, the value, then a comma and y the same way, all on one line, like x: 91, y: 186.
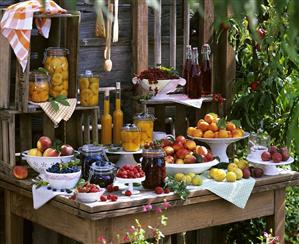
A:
x: 157, y: 33
x: 5, y: 141
x: 11, y: 139
x: 25, y: 131
x: 173, y: 35
x: 48, y: 127
x: 186, y: 18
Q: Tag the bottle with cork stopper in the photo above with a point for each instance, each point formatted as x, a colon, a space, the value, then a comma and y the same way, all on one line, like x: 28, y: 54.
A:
x: 106, y: 122
x: 117, y: 117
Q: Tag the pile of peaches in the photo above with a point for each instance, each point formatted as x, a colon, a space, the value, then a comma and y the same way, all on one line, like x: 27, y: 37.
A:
x: 213, y: 127
x: 183, y: 151
x: 45, y: 148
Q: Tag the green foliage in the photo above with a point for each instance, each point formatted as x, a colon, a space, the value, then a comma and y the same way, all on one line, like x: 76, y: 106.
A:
x: 178, y: 187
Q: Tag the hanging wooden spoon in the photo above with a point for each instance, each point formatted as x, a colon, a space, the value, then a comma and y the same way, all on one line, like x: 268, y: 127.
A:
x: 107, y: 54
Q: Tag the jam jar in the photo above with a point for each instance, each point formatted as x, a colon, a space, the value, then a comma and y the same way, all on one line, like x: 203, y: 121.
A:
x: 153, y: 165
x: 90, y: 154
x: 102, y: 173
x: 55, y: 61
x: 145, y: 123
x: 130, y: 138
x: 89, y: 89
x: 38, y: 87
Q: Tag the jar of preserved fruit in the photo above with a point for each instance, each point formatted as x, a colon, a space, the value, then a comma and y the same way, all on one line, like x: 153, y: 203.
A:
x: 90, y: 154
x: 89, y: 89
x: 153, y: 165
x: 102, y: 173
x: 38, y: 87
x: 145, y: 123
x: 130, y: 137
x: 56, y: 63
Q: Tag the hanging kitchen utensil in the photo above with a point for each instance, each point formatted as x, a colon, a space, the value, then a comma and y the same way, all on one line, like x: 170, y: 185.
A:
x: 115, y: 23
x: 107, y: 52
x: 100, y: 24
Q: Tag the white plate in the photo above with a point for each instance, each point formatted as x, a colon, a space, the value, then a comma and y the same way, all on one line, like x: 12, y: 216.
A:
x: 220, y: 140
x: 197, y: 168
x: 260, y: 161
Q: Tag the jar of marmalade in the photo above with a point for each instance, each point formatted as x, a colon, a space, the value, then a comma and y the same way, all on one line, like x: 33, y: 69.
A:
x: 153, y: 165
x: 38, y: 87
x: 56, y: 63
x: 89, y: 89
x: 130, y: 137
x: 145, y: 123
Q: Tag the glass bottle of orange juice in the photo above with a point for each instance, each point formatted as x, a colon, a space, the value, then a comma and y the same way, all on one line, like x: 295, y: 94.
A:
x: 118, y: 117
x: 106, y: 122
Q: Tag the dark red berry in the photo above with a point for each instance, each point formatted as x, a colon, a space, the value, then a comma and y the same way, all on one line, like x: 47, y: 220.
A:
x: 110, y: 188
x: 103, y: 198
x: 166, y: 190
x: 128, y: 193
x: 159, y: 190
x: 109, y: 196
x: 115, y: 188
x: 114, y: 198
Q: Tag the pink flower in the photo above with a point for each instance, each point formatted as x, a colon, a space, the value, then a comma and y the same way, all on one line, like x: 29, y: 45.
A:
x: 147, y: 208
x: 166, y: 204
x: 132, y: 229
x: 102, y: 239
x: 126, y: 238
x: 158, y: 210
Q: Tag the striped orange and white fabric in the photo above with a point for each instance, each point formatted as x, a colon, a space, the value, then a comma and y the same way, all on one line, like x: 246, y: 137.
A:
x: 16, y: 25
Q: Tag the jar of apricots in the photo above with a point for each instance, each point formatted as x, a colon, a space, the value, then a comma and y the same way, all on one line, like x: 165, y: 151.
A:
x: 89, y: 89
x: 145, y: 123
x: 38, y: 87
x: 130, y: 137
x: 56, y: 63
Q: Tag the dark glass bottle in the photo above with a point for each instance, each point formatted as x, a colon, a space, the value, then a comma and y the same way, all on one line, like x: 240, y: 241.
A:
x: 195, y: 82
x: 206, y: 72
x: 187, y: 68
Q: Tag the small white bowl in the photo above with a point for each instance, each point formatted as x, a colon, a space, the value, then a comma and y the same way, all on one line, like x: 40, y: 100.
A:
x: 88, y: 197
x: 62, y: 181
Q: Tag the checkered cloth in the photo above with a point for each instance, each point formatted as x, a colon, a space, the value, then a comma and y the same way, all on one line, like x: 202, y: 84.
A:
x: 16, y: 25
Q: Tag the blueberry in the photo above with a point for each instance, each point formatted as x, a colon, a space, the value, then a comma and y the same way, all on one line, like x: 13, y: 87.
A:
x: 49, y: 188
x: 62, y: 190
x: 54, y: 189
x: 68, y: 191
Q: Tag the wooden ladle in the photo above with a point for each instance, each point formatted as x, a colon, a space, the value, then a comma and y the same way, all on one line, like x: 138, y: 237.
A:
x: 107, y: 54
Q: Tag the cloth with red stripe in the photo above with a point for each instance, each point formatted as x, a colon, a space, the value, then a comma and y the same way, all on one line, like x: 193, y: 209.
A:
x: 16, y: 25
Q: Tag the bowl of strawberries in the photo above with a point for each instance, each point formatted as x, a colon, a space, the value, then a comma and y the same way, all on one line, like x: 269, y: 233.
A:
x: 87, y: 193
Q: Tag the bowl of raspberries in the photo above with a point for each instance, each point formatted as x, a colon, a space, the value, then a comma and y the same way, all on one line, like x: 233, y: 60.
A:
x: 88, y: 193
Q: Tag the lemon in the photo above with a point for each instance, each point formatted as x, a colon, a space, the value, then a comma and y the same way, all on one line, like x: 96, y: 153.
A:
x: 191, y: 174
x: 188, y: 179
x: 239, y: 173
x: 242, y: 164
x: 231, y: 177
x: 236, y: 160
x: 196, y: 180
x: 219, y: 175
x: 212, y: 171
x: 184, y: 179
x: 178, y: 176
x: 232, y: 167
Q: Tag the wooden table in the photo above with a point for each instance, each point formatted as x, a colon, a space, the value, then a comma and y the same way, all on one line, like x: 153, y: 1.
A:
x: 202, y: 209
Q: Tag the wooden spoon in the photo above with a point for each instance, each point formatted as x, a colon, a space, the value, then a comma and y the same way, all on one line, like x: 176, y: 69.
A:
x: 107, y: 54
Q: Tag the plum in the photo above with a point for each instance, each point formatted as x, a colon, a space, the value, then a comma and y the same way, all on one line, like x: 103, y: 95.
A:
x: 258, y: 172
x: 276, y: 157
x: 266, y: 156
x: 246, y: 173
x: 272, y: 149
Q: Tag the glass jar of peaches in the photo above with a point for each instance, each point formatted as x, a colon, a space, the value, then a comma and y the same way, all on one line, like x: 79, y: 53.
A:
x: 130, y: 137
x: 145, y: 123
x: 89, y: 89
x: 58, y: 67
x: 38, y: 87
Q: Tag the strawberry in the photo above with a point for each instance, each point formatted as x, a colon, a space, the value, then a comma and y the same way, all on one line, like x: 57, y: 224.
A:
x: 158, y: 190
x: 103, y: 198
x: 94, y: 189
x: 128, y: 193
x: 115, y: 188
x: 166, y: 190
x: 110, y: 188
x: 114, y: 198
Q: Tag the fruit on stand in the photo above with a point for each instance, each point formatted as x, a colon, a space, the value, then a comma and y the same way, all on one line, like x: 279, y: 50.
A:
x: 50, y: 152
x: 246, y: 173
x: 130, y: 172
x: 239, y: 173
x: 20, y: 172
x: 231, y: 176
x: 276, y: 154
x: 241, y: 163
x: 43, y: 143
x: 66, y: 150
x: 213, y: 127
x: 34, y: 152
x: 188, y: 179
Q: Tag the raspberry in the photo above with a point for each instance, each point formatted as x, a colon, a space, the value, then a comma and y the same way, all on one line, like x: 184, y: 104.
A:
x: 103, y: 198
x: 166, y: 190
x: 128, y: 193
x: 109, y: 196
x: 158, y: 190
x: 114, y: 198
x: 115, y: 188
x: 110, y: 188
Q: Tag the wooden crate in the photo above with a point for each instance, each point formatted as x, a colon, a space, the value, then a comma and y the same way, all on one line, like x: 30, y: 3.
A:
x: 14, y: 83
x: 20, y: 131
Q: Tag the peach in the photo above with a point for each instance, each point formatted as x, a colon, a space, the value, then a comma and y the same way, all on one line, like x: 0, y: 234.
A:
x: 190, y: 159
x: 50, y: 152
x: 208, y: 134
x: 230, y: 126
x: 169, y: 159
x: 179, y: 161
x: 197, y: 133
x: 182, y: 153
x: 20, y: 172
x: 201, y: 150
x: 213, y: 127
x: 190, y: 145
x: 181, y: 139
x: 237, y: 133
x: 66, y: 150
x: 43, y: 143
x: 216, y: 134
x: 222, y: 133
x: 169, y: 150
x: 177, y: 145
x: 190, y: 131
x: 34, y: 152
x: 209, y: 118
x: 203, y: 125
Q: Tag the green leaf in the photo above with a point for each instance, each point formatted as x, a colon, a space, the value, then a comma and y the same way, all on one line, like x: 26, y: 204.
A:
x: 221, y: 123
x: 64, y: 102
x: 237, y: 123
x: 54, y: 105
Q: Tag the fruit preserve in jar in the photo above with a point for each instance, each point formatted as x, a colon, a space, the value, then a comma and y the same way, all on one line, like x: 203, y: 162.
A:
x: 90, y: 154
x: 153, y: 165
x: 38, y: 87
x: 58, y: 67
x: 145, y: 123
x: 89, y: 89
x: 130, y: 137
x: 102, y: 173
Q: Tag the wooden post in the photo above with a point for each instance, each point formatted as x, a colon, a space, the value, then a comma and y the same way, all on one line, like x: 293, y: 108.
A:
x: 173, y: 34
x: 186, y: 28
x: 157, y: 35
x: 140, y: 36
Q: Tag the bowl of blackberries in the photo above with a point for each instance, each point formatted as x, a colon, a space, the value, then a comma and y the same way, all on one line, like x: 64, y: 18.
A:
x: 63, y: 175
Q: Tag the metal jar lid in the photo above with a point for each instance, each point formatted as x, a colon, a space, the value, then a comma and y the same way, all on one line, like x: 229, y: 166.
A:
x: 144, y: 116
x: 130, y: 127
x: 102, y: 167
x: 89, y: 74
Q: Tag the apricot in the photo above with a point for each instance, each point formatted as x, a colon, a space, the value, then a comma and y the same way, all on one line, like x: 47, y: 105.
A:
x: 208, y: 134
x: 20, y: 172
x: 237, y: 133
x: 203, y: 125
x: 209, y: 118
x: 190, y: 145
x: 230, y: 126
x: 222, y: 133
x: 213, y: 127
x: 216, y: 134
x: 197, y: 133
x: 201, y: 150
x: 190, y: 131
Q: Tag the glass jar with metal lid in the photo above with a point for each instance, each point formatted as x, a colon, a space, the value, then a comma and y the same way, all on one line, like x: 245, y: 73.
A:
x: 102, y: 173
x: 55, y: 61
x: 145, y: 123
x: 38, y: 86
x: 90, y: 154
x: 130, y: 137
x: 153, y: 165
x: 89, y: 88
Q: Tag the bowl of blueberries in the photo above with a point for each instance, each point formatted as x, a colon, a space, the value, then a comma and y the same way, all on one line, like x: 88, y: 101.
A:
x: 63, y: 175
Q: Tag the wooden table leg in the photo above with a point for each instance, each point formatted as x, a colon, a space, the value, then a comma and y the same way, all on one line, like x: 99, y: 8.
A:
x: 276, y: 222
x: 13, y: 223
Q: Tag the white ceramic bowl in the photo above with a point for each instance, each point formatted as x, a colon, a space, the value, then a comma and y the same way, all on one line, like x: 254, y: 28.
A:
x: 197, y: 168
x: 62, y: 181
x: 40, y: 164
x: 88, y: 197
